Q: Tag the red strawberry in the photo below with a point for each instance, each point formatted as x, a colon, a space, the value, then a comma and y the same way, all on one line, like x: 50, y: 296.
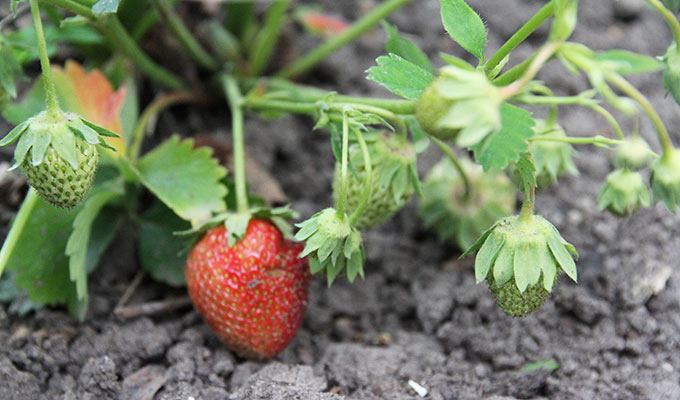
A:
x: 252, y: 294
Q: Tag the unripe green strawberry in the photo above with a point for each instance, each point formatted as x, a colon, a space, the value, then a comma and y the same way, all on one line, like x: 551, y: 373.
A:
x: 521, y: 257
x: 460, y: 104
x: 58, y: 154
x: 56, y: 181
x: 431, y: 108
x: 633, y: 153
x: 552, y: 159
x: 517, y: 304
x: 253, y: 294
x: 665, y: 179
x: 624, y: 192
x: 393, y: 163
x: 454, y: 216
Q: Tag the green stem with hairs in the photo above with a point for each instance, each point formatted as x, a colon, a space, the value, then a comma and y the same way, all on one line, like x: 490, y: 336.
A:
x: 597, y: 140
x: 340, y: 212
x: 467, y: 187
x: 118, y: 36
x: 542, y: 56
x: 236, y: 103
x: 184, y: 36
x: 18, y: 227
x: 309, y: 60
x: 670, y: 18
x: 527, y: 211
x: 522, y: 33
x: 50, y: 90
x: 71, y: 6
x: 368, y: 170
x: 578, y: 100
x: 632, y: 92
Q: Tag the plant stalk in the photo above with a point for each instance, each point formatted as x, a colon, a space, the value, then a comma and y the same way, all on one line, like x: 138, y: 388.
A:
x: 340, y: 212
x: 118, y: 36
x: 152, y: 111
x: 267, y: 37
x: 515, y: 40
x: 71, y: 6
x: 467, y: 187
x: 309, y: 60
x: 670, y: 18
x: 634, y: 93
x: 17, y: 227
x: 50, y: 90
x: 184, y: 36
x: 368, y: 170
x: 528, y: 205
x: 542, y: 56
x: 236, y: 103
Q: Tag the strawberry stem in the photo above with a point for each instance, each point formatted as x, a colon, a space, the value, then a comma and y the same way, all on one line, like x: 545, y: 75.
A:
x: 467, y: 191
x: 528, y: 205
x: 18, y: 226
x: 343, y: 175
x: 522, y: 33
x: 368, y: 169
x: 50, y: 90
x: 309, y: 60
x: 236, y: 102
x: 670, y: 18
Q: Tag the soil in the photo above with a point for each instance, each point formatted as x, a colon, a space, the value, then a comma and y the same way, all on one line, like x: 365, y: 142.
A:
x: 418, y: 315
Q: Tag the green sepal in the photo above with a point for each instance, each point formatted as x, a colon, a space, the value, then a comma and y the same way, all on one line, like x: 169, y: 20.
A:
x: 487, y: 256
x: 40, y: 145
x: 548, y: 266
x: 14, y: 134
x: 526, y: 265
x: 503, y: 268
x: 25, y: 143
x: 563, y: 255
x: 236, y: 224
x: 100, y: 130
x: 476, y: 245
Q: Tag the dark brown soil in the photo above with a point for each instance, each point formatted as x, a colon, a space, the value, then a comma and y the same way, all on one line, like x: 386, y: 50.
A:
x: 418, y: 315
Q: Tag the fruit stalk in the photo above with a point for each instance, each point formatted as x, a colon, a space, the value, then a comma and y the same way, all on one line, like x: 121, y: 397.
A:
x: 235, y: 102
x: 542, y: 56
x: 343, y: 175
x: 522, y: 33
x: 367, y: 180
x: 50, y: 89
x: 669, y: 17
x: 635, y: 94
x: 309, y: 60
x: 184, y: 36
x: 456, y: 163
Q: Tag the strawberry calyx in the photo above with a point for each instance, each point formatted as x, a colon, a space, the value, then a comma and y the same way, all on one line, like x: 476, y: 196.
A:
x: 624, y: 192
x: 529, y: 253
x: 237, y: 223
x: 394, y: 178
x: 332, y: 245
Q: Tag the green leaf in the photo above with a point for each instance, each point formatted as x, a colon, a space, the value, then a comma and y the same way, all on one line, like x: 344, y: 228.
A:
x: 186, y: 180
x: 548, y: 364
x: 626, y: 62
x: 397, y: 44
x: 105, y: 7
x: 10, y: 69
x: 464, y: 26
x: 487, y: 256
x: 506, y: 145
x: 160, y: 250
x: 77, y: 245
x: 38, y: 260
x: 400, y: 76
x: 13, y: 5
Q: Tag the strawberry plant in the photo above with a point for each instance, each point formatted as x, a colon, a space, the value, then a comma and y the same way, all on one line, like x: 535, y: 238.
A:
x: 79, y: 140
